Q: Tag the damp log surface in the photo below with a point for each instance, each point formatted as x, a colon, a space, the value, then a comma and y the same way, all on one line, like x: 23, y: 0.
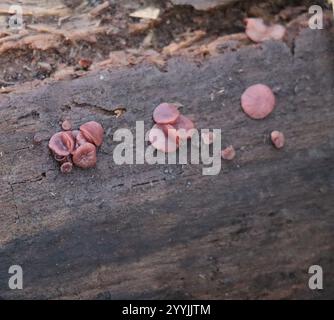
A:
x: 167, y: 231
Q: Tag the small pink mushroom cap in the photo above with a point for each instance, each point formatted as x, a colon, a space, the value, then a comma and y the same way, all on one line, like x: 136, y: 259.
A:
x: 184, y: 127
x: 62, y: 144
x: 93, y: 132
x: 258, y: 31
x: 228, y: 153
x: 163, y: 138
x: 66, y: 125
x: 165, y: 113
x: 66, y: 167
x: 85, y: 156
x: 277, y: 139
x: 258, y: 101
x: 80, y: 139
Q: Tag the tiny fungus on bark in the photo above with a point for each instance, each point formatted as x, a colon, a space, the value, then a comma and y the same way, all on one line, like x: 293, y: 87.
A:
x: 77, y: 147
x: 166, y: 113
x: 80, y: 139
x: 66, y: 167
x: 163, y: 138
x: 258, y: 31
x: 228, y: 153
x: 66, y: 125
x: 258, y: 101
x: 184, y: 127
x: 171, y: 127
x: 93, y: 132
x: 85, y: 156
x: 277, y: 139
x: 39, y: 137
x: 62, y: 143
x: 62, y: 159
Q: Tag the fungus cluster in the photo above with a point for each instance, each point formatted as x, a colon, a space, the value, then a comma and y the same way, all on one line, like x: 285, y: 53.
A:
x: 277, y: 138
x: 170, y: 129
x: 258, y: 31
x: 77, y: 147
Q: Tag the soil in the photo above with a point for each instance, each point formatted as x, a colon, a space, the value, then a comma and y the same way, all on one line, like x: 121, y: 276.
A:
x: 176, y: 23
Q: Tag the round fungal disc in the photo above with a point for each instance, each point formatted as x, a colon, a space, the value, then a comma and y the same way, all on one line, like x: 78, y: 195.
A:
x: 93, y: 132
x: 276, y: 32
x: 66, y: 125
x: 163, y: 138
x: 85, y: 156
x: 66, y: 167
x: 61, y: 143
x: 228, y: 153
x: 184, y: 127
x: 258, y: 31
x: 277, y: 139
x: 165, y: 113
x: 258, y: 101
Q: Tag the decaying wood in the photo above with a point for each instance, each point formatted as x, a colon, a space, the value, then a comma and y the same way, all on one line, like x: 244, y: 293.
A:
x: 204, y: 4
x: 167, y: 231
x: 73, y: 24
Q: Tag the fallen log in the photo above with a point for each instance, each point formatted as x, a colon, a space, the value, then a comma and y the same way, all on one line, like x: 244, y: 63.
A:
x: 167, y: 231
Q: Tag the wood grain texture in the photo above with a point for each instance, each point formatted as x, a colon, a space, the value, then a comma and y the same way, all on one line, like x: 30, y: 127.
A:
x: 166, y: 231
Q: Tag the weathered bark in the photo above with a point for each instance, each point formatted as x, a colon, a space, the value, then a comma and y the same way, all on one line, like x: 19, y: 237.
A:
x: 146, y: 231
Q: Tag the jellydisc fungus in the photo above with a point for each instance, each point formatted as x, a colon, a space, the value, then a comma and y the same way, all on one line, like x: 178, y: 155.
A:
x: 66, y: 125
x: 92, y: 132
x: 258, y: 31
x: 66, y: 167
x: 258, y: 101
x: 170, y: 129
x: 228, y: 153
x: 163, y: 138
x: 165, y: 113
x: 85, y: 156
x: 62, y: 144
x: 277, y: 139
x: 77, y: 147
x: 80, y: 139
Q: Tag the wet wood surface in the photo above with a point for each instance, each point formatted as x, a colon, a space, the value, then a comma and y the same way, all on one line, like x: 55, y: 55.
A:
x: 167, y: 231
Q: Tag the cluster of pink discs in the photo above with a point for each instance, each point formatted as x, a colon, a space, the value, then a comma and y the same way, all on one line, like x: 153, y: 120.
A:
x: 170, y: 129
x: 77, y: 147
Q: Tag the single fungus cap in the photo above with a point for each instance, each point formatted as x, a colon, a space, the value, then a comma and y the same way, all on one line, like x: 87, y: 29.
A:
x: 258, y: 101
x: 62, y: 144
x: 277, y: 139
x: 228, y: 153
x: 85, y: 156
x: 80, y: 139
x: 66, y: 167
x: 184, y: 127
x: 93, y: 132
x: 258, y: 31
x: 165, y: 113
x: 163, y: 138
x: 66, y: 125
